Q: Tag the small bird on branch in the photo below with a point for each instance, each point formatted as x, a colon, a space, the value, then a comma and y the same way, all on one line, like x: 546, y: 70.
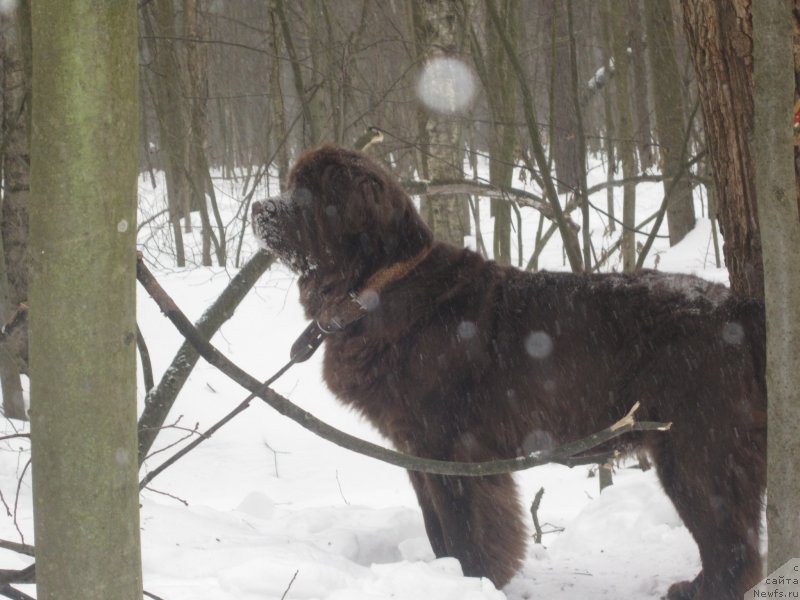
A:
x: 370, y: 137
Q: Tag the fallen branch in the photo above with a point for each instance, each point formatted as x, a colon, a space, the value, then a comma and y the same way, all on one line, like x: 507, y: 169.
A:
x: 563, y: 455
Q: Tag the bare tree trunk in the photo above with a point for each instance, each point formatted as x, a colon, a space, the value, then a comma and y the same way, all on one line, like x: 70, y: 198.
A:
x: 608, y: 111
x: 581, y: 193
x: 777, y: 194
x: 640, y: 100
x: 170, y: 114
x: 563, y: 135
x: 198, y: 169
x: 669, y: 112
x: 276, y: 95
x: 84, y: 167
x: 720, y: 43
x: 304, y: 96
x: 438, y: 33
x: 626, y: 144
x: 501, y: 90
x: 16, y: 194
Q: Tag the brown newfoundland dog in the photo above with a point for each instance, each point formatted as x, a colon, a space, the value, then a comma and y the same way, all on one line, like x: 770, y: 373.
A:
x: 455, y: 357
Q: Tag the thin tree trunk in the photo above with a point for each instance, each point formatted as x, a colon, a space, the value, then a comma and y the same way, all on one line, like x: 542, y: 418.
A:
x: 14, y: 261
x: 169, y: 113
x: 581, y: 141
x: 276, y: 95
x: 608, y: 111
x: 626, y: 144
x: 310, y: 125
x: 563, y: 133
x: 641, y: 106
x: 669, y: 112
x: 501, y: 95
x: 571, y: 244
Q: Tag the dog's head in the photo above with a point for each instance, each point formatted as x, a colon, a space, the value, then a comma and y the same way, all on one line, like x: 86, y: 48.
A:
x: 342, y: 215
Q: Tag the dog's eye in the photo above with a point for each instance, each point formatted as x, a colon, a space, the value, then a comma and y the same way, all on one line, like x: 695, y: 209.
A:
x: 301, y: 196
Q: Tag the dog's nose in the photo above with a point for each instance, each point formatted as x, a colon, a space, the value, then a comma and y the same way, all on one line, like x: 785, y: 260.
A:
x: 267, y: 207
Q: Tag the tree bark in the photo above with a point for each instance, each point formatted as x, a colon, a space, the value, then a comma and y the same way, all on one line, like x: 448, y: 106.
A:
x: 501, y: 95
x: 640, y: 100
x: 437, y: 29
x: 777, y: 193
x: 669, y: 112
x: 170, y: 116
x: 564, y: 134
x: 82, y: 299
x: 625, y: 145
x: 720, y: 42
x: 16, y: 194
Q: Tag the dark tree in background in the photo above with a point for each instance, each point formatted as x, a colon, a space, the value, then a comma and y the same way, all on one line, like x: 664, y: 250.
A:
x: 16, y: 63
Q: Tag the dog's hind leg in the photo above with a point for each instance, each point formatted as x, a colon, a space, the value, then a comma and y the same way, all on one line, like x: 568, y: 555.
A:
x: 716, y: 486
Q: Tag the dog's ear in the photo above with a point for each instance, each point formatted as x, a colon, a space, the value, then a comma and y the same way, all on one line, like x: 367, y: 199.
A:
x: 368, y: 205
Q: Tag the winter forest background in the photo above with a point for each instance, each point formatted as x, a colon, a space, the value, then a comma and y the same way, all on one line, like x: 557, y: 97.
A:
x: 608, y: 135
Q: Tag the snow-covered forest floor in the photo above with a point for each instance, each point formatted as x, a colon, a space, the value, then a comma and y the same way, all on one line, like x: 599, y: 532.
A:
x: 265, y: 505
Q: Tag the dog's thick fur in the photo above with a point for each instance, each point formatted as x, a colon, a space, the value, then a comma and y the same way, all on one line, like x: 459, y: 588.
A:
x: 467, y: 360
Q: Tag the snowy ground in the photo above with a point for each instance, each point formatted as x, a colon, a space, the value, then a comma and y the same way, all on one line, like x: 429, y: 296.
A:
x: 264, y: 505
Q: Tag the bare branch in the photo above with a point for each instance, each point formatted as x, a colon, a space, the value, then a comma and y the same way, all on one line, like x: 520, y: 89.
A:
x: 25, y: 549
x: 9, y: 592
x: 26, y: 575
x: 562, y: 454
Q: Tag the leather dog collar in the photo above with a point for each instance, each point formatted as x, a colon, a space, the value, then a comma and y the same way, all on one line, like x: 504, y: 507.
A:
x: 339, y: 315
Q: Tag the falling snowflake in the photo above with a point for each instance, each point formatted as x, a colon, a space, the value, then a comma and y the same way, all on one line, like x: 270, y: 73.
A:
x: 446, y: 85
x: 538, y: 344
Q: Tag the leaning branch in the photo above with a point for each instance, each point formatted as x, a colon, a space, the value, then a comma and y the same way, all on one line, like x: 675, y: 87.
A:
x: 159, y: 399
x: 564, y: 455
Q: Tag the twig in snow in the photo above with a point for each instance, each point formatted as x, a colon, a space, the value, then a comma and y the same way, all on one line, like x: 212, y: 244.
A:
x: 275, y: 456
x: 537, y: 499
x: 339, y: 483
x: 168, y: 495
x: 288, y: 587
x: 16, y: 499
